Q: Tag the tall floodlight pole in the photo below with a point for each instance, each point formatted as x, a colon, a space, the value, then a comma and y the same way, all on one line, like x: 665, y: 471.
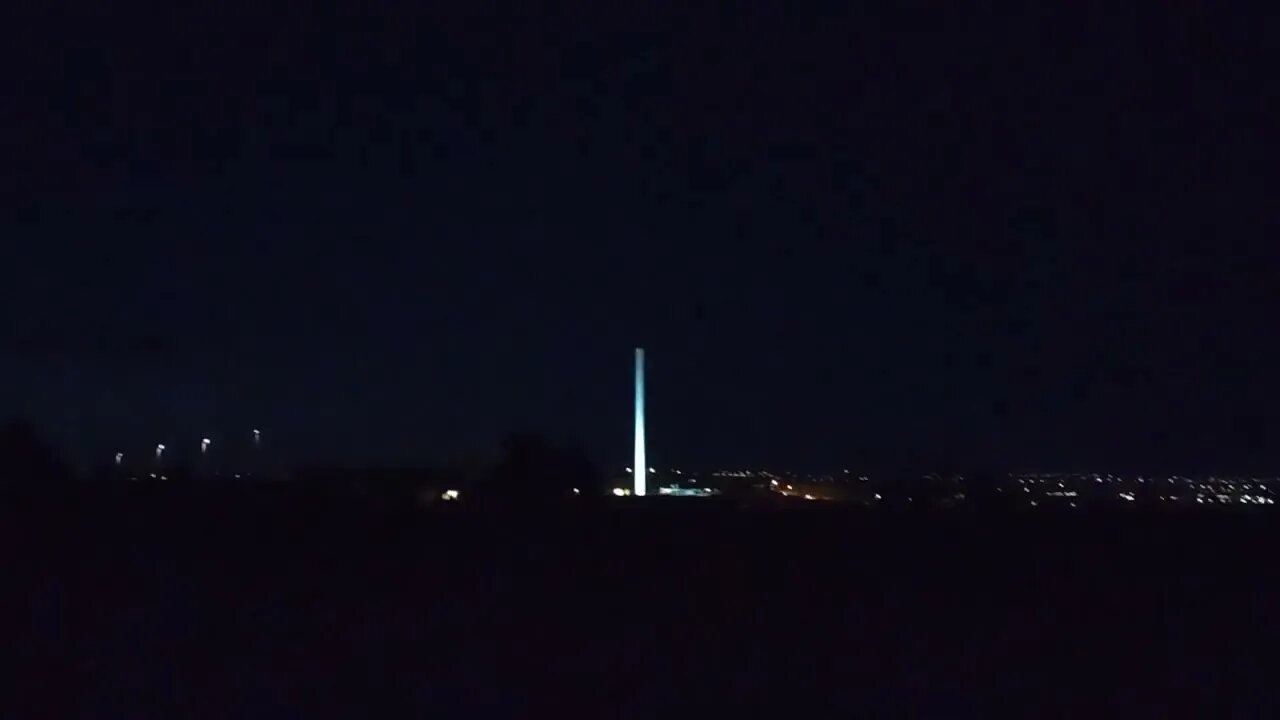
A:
x: 640, y: 466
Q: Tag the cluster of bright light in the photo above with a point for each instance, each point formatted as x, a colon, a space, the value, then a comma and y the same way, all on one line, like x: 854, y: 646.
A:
x: 449, y: 495
x: 687, y: 492
x: 1243, y: 499
x: 204, y: 445
x: 621, y: 492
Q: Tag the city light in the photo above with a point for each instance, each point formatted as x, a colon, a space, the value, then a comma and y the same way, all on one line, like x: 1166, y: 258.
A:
x: 204, y: 445
x: 449, y: 495
x: 621, y: 492
x: 159, y: 452
x: 119, y: 458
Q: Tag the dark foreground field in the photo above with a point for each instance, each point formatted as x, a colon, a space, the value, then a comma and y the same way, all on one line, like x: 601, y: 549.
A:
x: 194, y: 610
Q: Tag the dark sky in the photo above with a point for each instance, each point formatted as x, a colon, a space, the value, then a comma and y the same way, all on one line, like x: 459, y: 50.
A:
x: 1038, y: 238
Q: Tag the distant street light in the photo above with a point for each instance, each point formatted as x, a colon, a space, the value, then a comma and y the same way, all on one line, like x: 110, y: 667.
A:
x: 159, y: 452
x: 257, y: 438
x: 119, y: 458
x: 204, y: 446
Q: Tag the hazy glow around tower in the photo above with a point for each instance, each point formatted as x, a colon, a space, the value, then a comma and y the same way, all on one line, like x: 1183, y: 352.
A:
x: 639, y: 465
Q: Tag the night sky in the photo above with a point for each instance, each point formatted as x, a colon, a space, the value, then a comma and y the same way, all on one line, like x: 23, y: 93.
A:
x: 930, y: 236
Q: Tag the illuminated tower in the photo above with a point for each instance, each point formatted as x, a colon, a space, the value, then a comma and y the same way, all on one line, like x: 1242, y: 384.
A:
x: 640, y: 465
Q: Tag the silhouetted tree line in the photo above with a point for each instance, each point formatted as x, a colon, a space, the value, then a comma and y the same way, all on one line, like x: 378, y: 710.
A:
x: 27, y: 460
x: 529, y: 469
x: 534, y: 469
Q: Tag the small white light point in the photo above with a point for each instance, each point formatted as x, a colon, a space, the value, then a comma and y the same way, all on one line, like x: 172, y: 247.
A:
x: 204, y: 445
x: 119, y: 458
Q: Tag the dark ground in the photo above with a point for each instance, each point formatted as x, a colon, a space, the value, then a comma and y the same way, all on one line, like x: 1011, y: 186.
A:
x: 626, y: 611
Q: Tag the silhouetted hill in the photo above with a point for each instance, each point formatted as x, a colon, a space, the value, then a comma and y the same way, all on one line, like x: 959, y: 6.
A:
x: 147, y: 607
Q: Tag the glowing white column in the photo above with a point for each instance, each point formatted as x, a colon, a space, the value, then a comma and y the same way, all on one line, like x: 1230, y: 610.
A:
x: 641, y: 466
